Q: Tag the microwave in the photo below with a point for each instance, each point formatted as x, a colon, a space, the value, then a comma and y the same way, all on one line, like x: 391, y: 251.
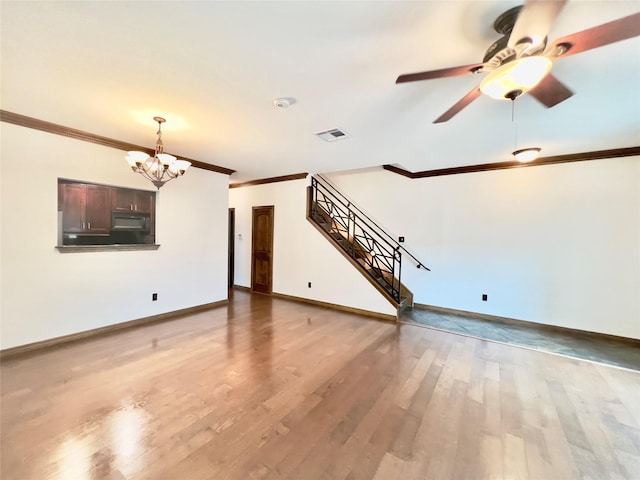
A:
x: 130, y: 222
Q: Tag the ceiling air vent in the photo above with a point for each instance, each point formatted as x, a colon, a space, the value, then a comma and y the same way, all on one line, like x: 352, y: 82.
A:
x: 332, y: 135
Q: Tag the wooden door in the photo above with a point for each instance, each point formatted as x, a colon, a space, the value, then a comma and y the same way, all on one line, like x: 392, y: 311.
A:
x: 262, y: 249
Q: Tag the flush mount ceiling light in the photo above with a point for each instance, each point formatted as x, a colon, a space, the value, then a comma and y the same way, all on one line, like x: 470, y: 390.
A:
x: 525, y: 155
x: 160, y: 168
x: 515, y: 78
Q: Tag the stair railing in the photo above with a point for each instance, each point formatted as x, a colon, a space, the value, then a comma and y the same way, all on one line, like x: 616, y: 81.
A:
x: 323, y: 181
x: 362, y: 239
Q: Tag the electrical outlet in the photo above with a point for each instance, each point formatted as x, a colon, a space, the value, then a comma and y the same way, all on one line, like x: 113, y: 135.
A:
x: 484, y: 297
x: 309, y: 285
x: 154, y: 297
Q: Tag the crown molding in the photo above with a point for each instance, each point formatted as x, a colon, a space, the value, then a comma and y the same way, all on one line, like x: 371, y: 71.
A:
x: 487, y: 167
x: 262, y: 181
x: 49, y: 127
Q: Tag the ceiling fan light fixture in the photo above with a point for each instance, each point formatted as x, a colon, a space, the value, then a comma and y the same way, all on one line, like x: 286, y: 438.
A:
x: 525, y: 155
x: 519, y: 75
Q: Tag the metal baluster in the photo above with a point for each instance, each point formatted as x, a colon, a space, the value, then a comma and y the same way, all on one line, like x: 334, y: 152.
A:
x: 351, y: 233
x: 383, y: 254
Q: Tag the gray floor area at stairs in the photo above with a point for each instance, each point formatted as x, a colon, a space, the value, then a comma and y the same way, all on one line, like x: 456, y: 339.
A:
x: 579, y: 345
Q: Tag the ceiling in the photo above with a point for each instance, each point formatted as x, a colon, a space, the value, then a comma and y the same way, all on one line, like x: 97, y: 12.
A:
x: 213, y: 69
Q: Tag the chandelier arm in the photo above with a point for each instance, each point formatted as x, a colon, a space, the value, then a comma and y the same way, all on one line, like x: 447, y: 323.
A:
x: 157, y: 181
x: 159, y: 172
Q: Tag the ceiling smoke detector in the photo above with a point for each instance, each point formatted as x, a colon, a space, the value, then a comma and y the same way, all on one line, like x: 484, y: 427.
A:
x: 332, y: 135
x: 282, y: 102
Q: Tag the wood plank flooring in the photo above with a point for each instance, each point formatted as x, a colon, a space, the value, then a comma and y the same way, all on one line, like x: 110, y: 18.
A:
x: 269, y: 389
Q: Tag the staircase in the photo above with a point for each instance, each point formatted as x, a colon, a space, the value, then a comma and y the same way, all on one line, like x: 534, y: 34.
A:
x: 368, y: 247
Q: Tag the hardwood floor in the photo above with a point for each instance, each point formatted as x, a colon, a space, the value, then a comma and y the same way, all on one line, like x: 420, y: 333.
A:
x: 268, y: 388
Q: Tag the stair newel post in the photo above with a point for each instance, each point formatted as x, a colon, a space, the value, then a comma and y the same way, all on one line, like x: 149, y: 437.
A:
x: 398, y: 256
x: 314, y: 195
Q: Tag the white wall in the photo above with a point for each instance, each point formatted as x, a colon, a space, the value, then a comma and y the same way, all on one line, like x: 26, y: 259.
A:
x: 46, y: 294
x: 301, y: 254
x: 558, y: 244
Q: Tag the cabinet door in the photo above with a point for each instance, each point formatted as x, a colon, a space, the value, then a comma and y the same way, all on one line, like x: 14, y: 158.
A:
x: 73, y: 207
x: 123, y: 199
x: 126, y: 200
x: 98, y: 215
x: 143, y: 201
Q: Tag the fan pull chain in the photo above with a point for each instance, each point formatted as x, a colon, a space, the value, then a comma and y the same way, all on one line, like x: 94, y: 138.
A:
x: 513, y: 116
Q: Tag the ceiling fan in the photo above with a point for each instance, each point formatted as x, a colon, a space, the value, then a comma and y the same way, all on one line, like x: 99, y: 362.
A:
x: 521, y: 59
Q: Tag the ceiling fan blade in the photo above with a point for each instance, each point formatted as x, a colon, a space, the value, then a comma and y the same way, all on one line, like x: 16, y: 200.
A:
x: 550, y: 91
x: 535, y: 20
x: 611, y: 32
x: 445, y: 72
x: 462, y: 103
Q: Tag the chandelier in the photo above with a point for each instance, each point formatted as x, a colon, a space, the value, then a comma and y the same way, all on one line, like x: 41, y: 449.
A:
x: 160, y: 168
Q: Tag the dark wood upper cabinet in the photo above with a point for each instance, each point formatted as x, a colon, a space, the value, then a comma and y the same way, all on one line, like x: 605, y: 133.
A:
x: 85, y: 208
x: 73, y: 205
x: 97, y: 210
x: 126, y: 200
x: 93, y: 214
x: 122, y: 200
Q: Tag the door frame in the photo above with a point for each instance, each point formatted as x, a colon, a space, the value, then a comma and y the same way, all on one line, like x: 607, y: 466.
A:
x: 232, y: 249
